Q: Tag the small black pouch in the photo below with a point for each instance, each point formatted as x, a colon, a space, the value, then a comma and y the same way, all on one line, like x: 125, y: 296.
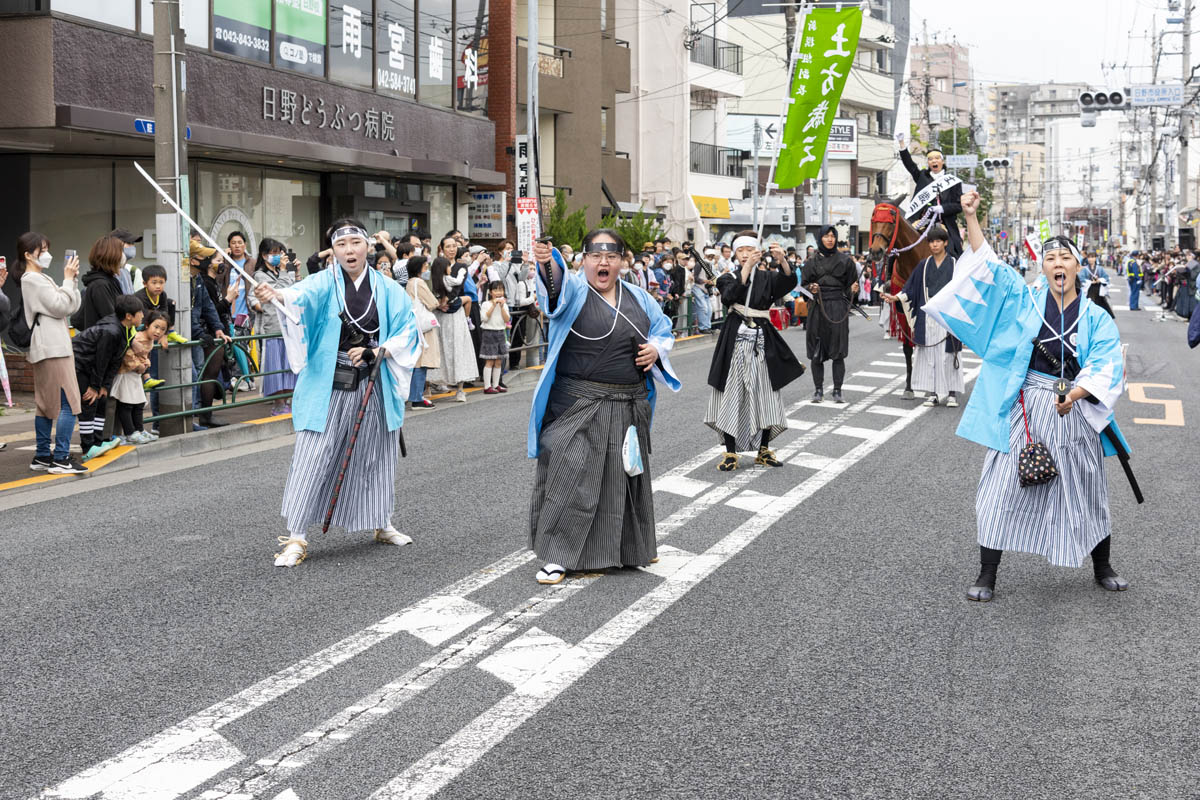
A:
x: 346, y: 378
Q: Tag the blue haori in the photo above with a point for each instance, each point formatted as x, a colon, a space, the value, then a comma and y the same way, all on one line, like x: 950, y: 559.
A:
x: 1061, y: 520
x: 369, y: 490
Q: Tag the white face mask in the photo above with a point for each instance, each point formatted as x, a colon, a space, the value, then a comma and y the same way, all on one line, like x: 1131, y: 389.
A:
x: 130, y: 251
x: 426, y: 275
x: 44, y: 260
x: 416, y: 251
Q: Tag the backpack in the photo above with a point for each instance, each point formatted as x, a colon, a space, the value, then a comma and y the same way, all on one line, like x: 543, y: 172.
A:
x: 20, y: 334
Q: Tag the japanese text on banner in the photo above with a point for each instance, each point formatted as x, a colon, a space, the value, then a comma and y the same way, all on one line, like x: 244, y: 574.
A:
x: 828, y: 41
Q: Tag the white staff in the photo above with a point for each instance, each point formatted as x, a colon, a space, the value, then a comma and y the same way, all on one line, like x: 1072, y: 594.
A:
x: 292, y: 315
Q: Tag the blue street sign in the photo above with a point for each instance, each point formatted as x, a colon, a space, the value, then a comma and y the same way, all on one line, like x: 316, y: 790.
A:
x: 1003, y: 234
x: 146, y: 126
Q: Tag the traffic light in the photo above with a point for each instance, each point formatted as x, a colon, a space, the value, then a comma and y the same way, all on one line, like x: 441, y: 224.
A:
x: 990, y: 165
x: 1104, y: 100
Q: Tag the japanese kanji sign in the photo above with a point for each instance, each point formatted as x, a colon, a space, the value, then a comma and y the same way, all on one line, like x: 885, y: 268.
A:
x: 825, y: 53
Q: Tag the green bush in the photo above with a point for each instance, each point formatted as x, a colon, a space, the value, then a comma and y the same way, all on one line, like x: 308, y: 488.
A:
x: 635, y: 230
x: 565, y: 228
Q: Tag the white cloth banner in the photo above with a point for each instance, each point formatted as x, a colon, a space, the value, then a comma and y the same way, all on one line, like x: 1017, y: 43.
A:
x: 929, y: 194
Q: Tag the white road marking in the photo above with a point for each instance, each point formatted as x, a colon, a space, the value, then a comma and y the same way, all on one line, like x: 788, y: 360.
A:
x: 678, y: 484
x: 864, y: 374
x: 174, y: 745
x: 181, y: 770
x: 857, y: 433
x: 123, y: 768
x: 810, y: 461
x: 800, y: 424
x: 268, y: 772
x: 857, y: 387
x: 750, y: 500
x: 669, y: 560
x: 890, y: 411
x: 885, y: 363
x: 525, y: 656
x: 436, y: 769
x: 437, y: 618
x: 287, y: 794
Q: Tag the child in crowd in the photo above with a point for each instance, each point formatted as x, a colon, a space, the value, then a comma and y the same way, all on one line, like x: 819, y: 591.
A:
x: 99, y: 351
x: 493, y: 348
x: 127, y: 389
x: 154, y: 299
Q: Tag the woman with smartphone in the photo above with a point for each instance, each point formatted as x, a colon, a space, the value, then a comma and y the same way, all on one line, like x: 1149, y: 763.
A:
x: 46, y: 306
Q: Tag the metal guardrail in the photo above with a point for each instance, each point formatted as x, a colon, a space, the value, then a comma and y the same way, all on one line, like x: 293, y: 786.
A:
x: 717, y: 53
x: 711, y: 159
x: 238, y: 342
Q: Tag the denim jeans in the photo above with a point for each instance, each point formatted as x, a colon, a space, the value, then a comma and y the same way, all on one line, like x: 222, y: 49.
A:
x: 43, y: 427
x: 700, y: 301
x: 417, y: 390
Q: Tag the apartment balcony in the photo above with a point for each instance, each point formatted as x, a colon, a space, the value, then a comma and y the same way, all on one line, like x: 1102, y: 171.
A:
x: 869, y: 89
x: 716, y: 65
x: 556, y: 76
x: 716, y: 171
x: 717, y: 53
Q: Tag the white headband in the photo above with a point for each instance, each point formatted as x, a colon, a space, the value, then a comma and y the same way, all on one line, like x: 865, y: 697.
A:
x: 347, y: 232
x: 745, y: 241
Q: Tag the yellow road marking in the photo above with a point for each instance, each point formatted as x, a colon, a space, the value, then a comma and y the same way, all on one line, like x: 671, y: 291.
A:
x: 1172, y: 409
x: 93, y: 465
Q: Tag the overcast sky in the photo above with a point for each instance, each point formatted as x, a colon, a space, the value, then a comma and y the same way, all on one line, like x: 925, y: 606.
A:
x: 1061, y: 40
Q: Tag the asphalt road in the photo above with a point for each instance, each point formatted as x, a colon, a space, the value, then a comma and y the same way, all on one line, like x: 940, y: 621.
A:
x: 805, y: 635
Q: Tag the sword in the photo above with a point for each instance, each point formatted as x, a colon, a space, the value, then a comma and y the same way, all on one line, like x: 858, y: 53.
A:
x: 292, y: 315
x: 1123, y: 457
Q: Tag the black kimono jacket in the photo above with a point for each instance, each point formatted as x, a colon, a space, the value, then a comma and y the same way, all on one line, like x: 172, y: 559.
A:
x: 951, y: 201
x: 769, y: 286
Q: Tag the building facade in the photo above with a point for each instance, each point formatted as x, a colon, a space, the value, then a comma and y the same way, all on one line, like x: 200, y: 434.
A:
x: 940, y: 87
x: 297, y: 113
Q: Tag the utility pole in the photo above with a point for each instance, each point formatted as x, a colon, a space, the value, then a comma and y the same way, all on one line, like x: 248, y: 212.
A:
x: 170, y: 170
x: 531, y: 104
x: 954, y: 98
x: 1185, y: 113
x: 928, y: 89
x: 1154, y: 143
x: 754, y: 186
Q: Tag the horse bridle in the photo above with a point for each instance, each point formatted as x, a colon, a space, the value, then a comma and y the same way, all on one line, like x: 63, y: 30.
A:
x: 889, y: 215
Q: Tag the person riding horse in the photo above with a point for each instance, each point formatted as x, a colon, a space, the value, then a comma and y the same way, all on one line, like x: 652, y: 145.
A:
x: 948, y: 202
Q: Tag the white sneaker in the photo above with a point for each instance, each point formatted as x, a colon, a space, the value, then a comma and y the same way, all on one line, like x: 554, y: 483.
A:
x: 930, y: 401
x: 461, y: 397
x: 294, y: 552
x: 951, y: 402
x: 390, y: 535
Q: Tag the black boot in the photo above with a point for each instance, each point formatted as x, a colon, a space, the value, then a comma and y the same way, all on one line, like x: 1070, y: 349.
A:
x: 985, y: 585
x: 1106, y: 576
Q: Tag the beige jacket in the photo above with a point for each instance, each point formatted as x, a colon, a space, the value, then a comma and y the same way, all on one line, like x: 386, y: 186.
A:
x: 420, y: 292
x: 51, y: 337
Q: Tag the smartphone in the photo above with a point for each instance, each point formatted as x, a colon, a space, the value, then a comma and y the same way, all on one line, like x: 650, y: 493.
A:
x: 3, y: 262
x: 69, y: 255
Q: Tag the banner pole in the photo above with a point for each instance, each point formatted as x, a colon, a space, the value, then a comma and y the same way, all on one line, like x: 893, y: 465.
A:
x: 805, y: 7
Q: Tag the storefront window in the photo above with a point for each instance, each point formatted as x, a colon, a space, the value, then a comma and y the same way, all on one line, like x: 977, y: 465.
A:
x: 277, y: 204
x: 194, y: 16
x: 351, y: 42
x: 397, y: 44
x: 441, y: 208
x: 242, y: 28
x: 63, y: 194
x: 300, y: 36
x: 436, y: 52
x: 292, y: 210
x: 471, y: 55
x: 114, y: 12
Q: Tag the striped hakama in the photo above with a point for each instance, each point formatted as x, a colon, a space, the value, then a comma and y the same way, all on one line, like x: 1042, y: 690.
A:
x: 369, y: 490
x: 1061, y: 520
x: 586, y: 513
x: 749, y: 405
x: 935, y: 370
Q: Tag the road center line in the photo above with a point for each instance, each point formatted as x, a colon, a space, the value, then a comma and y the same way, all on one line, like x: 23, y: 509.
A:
x: 436, y: 769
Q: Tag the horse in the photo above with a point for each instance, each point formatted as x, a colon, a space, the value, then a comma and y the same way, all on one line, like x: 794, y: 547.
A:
x: 897, y: 248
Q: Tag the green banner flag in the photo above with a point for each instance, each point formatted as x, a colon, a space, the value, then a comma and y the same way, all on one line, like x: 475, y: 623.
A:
x: 828, y: 41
